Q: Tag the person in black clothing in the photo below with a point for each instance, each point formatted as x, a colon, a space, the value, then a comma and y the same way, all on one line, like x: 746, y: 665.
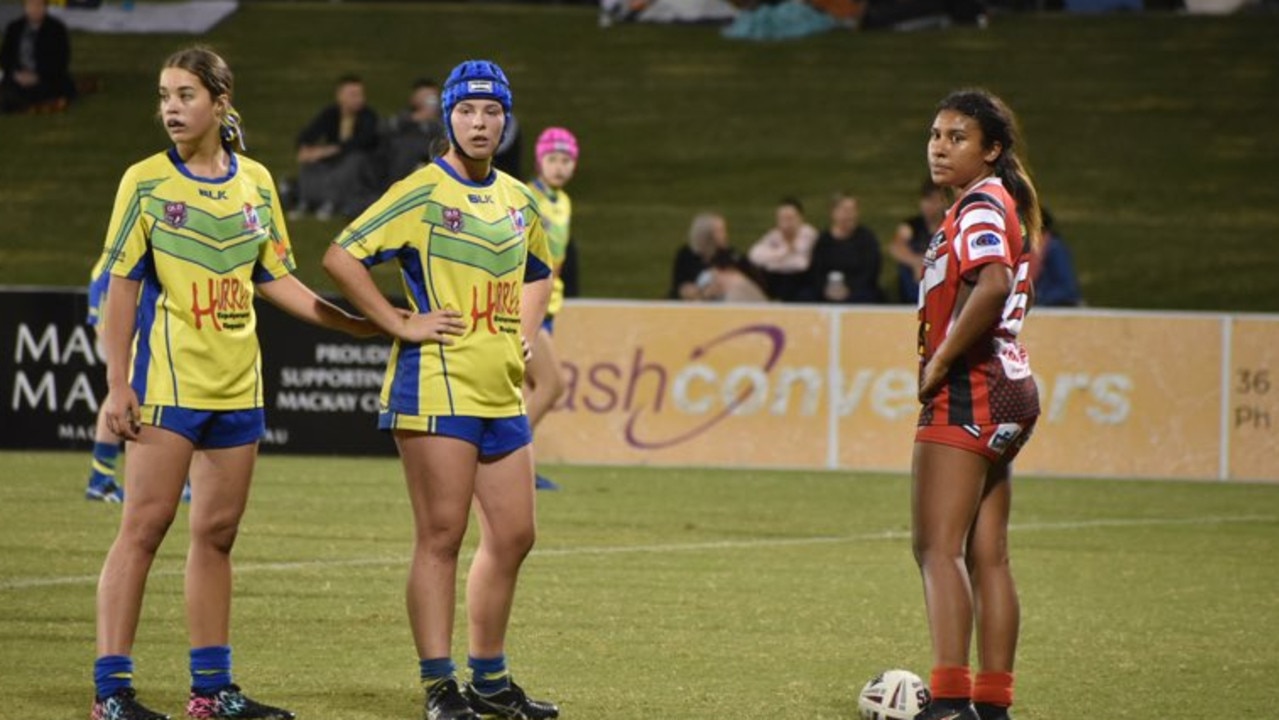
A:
x: 911, y: 240
x: 36, y: 60
x: 846, y: 258
x: 708, y: 268
x: 336, y: 172
x: 415, y: 136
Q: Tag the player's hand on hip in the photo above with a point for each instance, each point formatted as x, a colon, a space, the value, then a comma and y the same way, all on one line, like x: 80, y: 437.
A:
x: 439, y: 326
x: 121, y: 410
x: 528, y: 349
x: 934, y: 377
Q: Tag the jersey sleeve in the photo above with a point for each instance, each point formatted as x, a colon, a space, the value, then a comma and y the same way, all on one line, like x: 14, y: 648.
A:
x: 275, y: 259
x: 387, y: 226
x: 125, y: 252
x: 983, y: 238
x: 538, y: 263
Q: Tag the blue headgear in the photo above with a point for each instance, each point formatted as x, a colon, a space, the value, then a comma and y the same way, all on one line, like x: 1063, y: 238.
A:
x: 476, y: 80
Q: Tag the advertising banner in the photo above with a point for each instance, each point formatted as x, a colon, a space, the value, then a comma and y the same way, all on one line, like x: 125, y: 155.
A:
x: 1123, y: 394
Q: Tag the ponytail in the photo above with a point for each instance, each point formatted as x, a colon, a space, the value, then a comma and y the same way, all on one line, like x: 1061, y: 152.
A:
x: 1010, y: 169
x: 232, y: 130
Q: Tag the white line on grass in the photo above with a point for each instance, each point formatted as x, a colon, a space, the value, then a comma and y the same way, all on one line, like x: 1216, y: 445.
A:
x: 40, y: 582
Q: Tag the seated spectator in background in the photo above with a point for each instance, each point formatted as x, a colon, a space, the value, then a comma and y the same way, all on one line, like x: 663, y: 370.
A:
x: 335, y: 155
x: 708, y: 268
x: 911, y: 240
x: 784, y: 253
x: 846, y: 258
x: 36, y: 60
x: 414, y: 136
x: 507, y: 158
x: 1053, y: 271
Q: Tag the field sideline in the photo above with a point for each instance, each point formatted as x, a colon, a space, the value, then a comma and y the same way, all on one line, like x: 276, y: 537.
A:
x: 673, y: 593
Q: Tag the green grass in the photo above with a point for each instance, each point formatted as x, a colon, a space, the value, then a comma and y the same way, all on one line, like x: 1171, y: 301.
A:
x: 1147, y: 133
x: 670, y: 593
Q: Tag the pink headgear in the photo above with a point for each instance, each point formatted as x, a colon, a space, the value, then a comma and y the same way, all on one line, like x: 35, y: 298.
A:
x: 555, y: 139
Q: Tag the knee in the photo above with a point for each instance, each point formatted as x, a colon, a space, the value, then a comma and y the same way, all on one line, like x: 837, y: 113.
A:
x: 930, y: 551
x: 216, y: 533
x: 442, y: 540
x: 513, y: 544
x: 144, y: 531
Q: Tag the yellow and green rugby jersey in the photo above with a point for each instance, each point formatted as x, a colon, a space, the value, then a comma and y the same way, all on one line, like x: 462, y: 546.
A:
x: 557, y: 210
x: 464, y: 246
x: 197, y: 245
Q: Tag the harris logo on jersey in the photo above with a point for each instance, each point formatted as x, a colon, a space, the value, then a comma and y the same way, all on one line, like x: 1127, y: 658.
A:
x: 175, y: 213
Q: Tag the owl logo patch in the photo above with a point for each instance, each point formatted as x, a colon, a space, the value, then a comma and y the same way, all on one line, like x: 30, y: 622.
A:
x: 175, y: 213
x: 453, y: 219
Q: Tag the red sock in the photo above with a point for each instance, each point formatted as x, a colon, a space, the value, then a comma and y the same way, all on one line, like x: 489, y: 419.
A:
x: 951, y: 682
x: 994, y: 688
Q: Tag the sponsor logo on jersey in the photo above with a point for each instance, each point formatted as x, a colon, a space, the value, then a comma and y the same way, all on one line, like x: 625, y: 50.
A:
x: 934, y: 247
x: 476, y: 199
x: 251, y: 221
x: 453, y: 219
x: 224, y: 302
x: 1004, y: 436
x: 499, y: 306
x: 517, y: 219
x: 213, y: 194
x: 175, y: 213
x: 986, y: 240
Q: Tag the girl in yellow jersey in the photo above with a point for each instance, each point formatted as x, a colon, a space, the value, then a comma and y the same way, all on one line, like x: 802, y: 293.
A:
x: 196, y: 232
x: 556, y: 154
x: 476, y: 270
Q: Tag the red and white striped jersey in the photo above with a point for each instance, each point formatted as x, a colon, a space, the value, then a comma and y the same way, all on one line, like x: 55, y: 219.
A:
x: 991, y: 382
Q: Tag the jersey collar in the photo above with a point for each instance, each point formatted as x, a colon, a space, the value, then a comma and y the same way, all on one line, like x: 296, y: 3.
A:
x: 176, y: 159
x: 487, y: 182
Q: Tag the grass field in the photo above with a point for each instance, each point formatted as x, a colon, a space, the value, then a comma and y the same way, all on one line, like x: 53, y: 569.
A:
x: 1147, y: 133
x: 656, y: 593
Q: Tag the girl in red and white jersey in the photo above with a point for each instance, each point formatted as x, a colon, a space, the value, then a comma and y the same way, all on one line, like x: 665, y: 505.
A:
x: 979, y: 401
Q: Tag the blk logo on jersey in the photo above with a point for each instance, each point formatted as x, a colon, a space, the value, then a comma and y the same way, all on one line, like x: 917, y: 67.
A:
x: 480, y: 199
x: 500, y: 305
x: 251, y: 221
x: 213, y: 194
x: 517, y: 219
x: 453, y: 219
x: 175, y: 213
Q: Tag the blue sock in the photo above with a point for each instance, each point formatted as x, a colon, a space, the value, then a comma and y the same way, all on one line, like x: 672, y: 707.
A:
x: 210, y: 668
x: 489, y: 675
x: 104, y: 459
x: 111, y: 674
x: 436, y: 670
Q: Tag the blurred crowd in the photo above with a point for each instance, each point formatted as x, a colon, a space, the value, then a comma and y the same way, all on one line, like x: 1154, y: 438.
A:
x: 793, y: 261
